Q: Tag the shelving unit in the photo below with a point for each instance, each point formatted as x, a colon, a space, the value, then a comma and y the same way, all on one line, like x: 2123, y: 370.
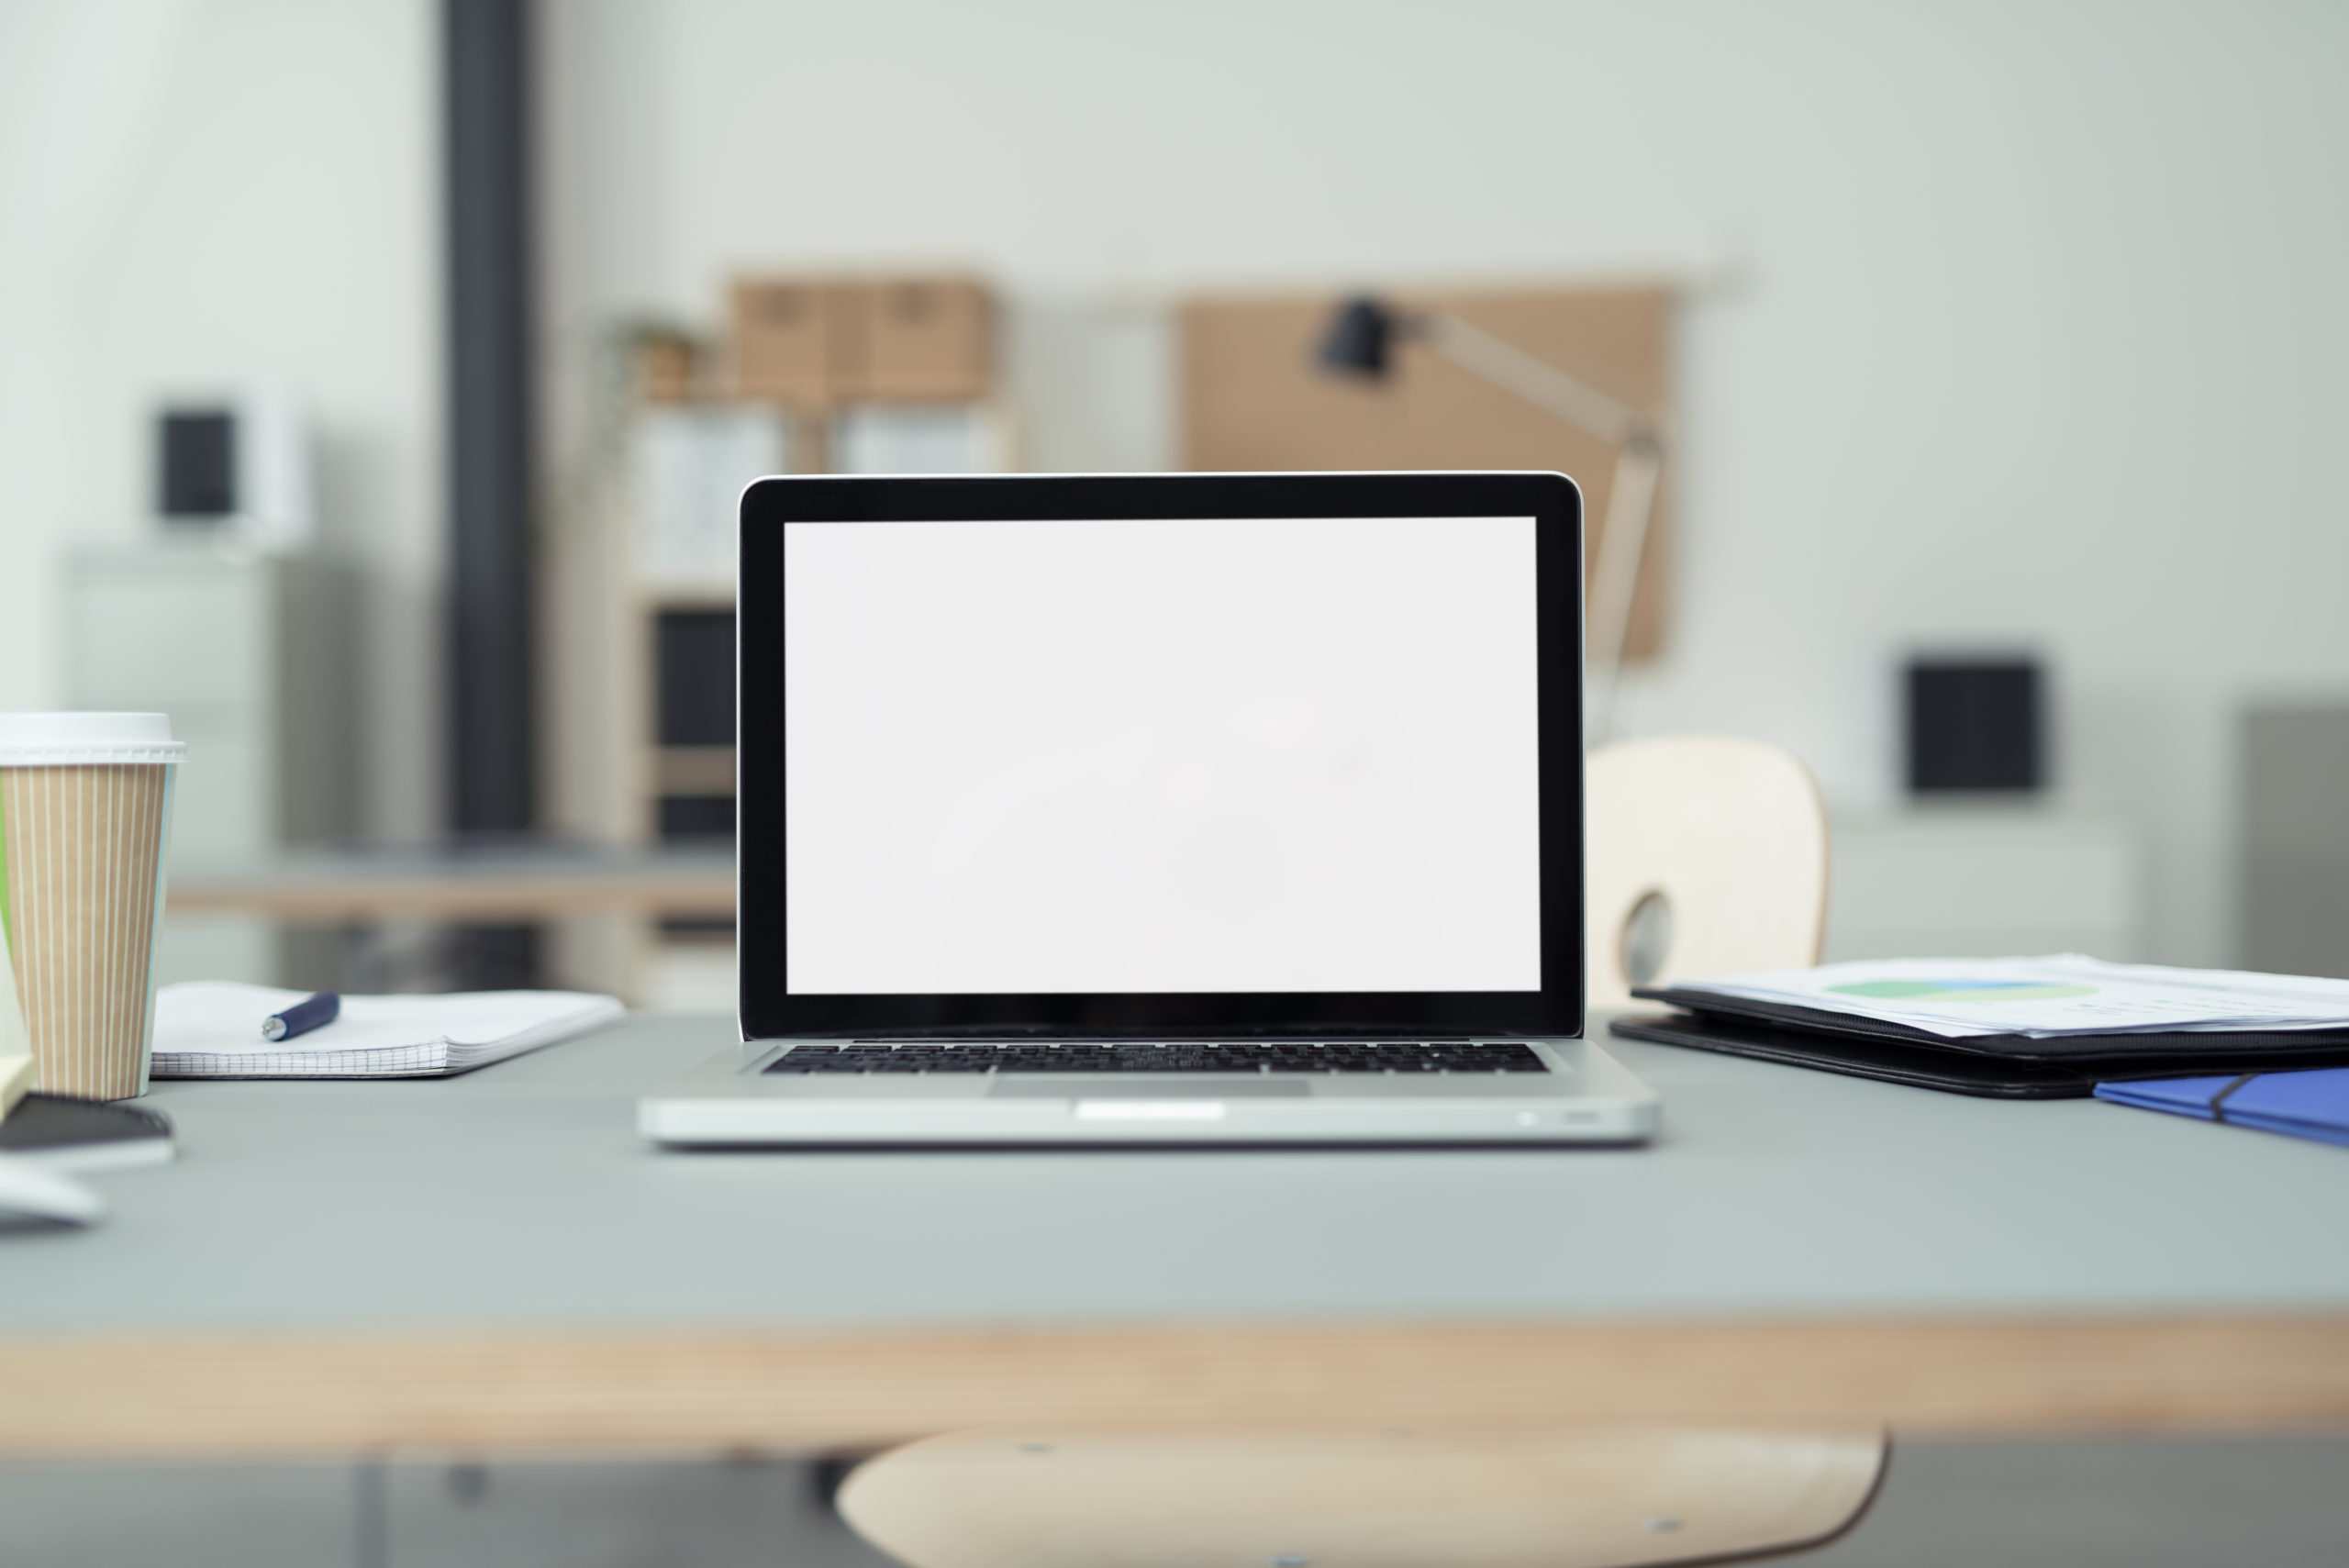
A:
x: 812, y: 375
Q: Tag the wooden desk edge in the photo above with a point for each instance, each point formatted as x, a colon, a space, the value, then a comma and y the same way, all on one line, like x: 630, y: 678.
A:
x: 258, y: 1395
x: 456, y: 897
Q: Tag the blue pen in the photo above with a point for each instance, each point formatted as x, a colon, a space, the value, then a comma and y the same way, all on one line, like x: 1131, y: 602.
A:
x: 302, y: 1016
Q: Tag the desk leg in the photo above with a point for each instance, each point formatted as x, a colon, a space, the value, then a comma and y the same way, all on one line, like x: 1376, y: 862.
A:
x: 370, y: 1523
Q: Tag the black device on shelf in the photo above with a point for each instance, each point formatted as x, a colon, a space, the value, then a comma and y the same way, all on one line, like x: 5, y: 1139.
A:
x: 196, y: 470
x: 694, y: 696
x: 1975, y: 725
x: 696, y: 677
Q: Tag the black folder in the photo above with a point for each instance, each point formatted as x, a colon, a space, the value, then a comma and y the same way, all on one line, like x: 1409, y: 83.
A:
x: 1996, y: 1066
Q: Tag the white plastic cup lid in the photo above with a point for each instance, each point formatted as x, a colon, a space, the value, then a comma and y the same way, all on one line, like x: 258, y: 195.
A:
x: 71, y: 739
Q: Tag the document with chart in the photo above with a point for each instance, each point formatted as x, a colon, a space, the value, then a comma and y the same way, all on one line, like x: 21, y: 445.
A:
x: 2049, y: 998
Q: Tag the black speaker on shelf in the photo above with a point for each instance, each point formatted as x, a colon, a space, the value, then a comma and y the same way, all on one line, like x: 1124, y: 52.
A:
x: 196, y: 463
x: 1977, y: 725
x: 693, y: 654
x: 693, y: 698
x: 237, y: 464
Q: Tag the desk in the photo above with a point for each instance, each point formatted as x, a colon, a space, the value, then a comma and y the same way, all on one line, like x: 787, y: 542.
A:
x: 495, y: 1264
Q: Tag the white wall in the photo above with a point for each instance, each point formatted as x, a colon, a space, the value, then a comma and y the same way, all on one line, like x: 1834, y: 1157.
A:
x: 2039, y: 336
x: 198, y: 193
x: 2036, y: 338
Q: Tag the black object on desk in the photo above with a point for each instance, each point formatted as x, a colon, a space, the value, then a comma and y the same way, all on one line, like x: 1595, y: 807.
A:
x: 86, y: 1135
x: 1998, y: 1066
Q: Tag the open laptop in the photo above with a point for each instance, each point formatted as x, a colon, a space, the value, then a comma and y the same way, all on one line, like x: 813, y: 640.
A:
x: 1169, y: 809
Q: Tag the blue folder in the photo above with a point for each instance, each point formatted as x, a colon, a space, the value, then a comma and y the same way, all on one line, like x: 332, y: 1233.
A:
x: 2309, y: 1103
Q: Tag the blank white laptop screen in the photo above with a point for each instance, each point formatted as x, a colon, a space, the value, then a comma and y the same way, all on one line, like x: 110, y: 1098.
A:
x: 1273, y: 755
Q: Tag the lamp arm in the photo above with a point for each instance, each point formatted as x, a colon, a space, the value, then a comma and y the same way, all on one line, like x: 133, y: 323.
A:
x: 1630, y: 498
x: 1631, y: 503
x: 1537, y: 381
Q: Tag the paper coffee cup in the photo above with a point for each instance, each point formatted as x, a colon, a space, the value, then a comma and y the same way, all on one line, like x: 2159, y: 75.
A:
x: 85, y: 811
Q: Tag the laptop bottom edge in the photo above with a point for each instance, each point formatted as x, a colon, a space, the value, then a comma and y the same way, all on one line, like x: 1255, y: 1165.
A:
x: 730, y: 1104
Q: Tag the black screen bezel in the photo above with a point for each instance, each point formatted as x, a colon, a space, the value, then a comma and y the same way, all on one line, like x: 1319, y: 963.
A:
x: 769, y: 1011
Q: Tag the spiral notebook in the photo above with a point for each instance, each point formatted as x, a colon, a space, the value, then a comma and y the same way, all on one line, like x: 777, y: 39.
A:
x: 211, y: 1029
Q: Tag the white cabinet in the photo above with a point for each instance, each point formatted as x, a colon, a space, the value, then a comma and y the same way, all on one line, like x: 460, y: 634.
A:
x: 1985, y: 881
x: 249, y: 658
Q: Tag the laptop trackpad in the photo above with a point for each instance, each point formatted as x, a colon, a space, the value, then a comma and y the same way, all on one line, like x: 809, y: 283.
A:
x: 1124, y: 1086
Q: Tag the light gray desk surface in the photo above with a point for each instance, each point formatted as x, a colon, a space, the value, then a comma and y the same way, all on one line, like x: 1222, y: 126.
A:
x: 520, y: 1195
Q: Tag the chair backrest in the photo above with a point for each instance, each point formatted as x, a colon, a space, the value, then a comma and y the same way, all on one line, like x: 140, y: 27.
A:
x: 1513, y: 1496
x: 1707, y: 852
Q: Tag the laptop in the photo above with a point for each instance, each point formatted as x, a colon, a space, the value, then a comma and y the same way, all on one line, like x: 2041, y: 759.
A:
x: 1182, y: 809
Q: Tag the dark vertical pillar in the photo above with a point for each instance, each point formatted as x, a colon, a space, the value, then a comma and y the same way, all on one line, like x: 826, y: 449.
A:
x: 485, y: 54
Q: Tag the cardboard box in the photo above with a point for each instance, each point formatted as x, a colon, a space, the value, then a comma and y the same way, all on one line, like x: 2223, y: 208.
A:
x: 788, y: 341
x: 816, y: 342
x: 921, y: 340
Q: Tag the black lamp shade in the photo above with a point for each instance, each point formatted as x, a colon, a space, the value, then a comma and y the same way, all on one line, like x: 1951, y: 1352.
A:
x: 1360, y: 335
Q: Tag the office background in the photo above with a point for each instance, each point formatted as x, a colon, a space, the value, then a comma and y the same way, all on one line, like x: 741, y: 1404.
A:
x: 2011, y: 325
x: 2000, y: 326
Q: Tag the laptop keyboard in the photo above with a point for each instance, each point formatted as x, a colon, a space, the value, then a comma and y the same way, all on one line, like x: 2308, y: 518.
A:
x: 1172, y: 1056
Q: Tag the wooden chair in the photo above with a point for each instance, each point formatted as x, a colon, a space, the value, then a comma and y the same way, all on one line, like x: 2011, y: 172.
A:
x: 1568, y: 1497
x: 1706, y: 856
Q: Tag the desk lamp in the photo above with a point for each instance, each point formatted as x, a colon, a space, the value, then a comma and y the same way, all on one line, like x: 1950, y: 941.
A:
x: 1360, y: 342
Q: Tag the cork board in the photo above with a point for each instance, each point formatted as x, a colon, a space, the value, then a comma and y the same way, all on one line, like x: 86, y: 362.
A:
x: 1253, y: 398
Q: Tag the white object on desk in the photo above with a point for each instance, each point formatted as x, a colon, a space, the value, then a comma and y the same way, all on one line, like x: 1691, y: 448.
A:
x: 1980, y: 881
x: 211, y: 1029
x: 35, y: 1192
